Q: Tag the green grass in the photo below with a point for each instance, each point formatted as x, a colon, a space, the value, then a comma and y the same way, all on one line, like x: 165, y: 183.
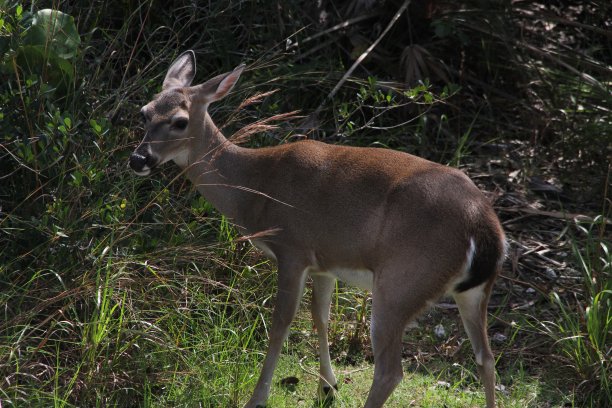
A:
x: 188, y: 338
x: 220, y: 367
x: 123, y: 291
x: 583, y: 327
x: 182, y: 339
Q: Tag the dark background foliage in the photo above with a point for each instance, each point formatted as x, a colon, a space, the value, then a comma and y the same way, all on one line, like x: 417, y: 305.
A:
x: 517, y: 93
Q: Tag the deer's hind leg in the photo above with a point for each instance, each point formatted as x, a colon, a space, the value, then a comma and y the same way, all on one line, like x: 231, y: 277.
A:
x: 472, y: 305
x: 392, y: 309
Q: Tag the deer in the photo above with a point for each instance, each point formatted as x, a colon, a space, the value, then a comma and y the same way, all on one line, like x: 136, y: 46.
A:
x: 407, y: 229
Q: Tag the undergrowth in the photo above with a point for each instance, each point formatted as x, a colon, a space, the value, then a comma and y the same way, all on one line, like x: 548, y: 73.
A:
x: 123, y: 291
x: 583, y: 327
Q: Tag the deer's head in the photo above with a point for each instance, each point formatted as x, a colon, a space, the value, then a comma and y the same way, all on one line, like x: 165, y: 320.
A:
x: 175, y: 116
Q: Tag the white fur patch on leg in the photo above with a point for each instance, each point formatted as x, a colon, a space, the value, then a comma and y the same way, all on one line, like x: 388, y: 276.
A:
x: 465, y: 270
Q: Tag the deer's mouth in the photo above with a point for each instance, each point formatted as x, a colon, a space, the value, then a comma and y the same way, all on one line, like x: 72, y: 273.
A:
x: 142, y: 164
x: 142, y: 173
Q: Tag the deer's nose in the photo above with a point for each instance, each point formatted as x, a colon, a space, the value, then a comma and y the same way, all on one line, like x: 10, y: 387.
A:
x: 138, y: 162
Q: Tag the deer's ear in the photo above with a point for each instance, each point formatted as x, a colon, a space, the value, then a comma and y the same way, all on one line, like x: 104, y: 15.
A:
x: 181, y: 72
x: 218, y: 87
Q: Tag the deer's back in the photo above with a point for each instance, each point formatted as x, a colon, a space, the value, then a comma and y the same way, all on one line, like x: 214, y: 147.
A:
x: 345, y: 200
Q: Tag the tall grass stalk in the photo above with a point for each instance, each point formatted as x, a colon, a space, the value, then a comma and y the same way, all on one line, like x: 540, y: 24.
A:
x: 583, y: 328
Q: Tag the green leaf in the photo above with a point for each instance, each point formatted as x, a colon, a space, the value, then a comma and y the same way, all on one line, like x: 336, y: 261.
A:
x: 55, y: 31
x: 95, y: 126
x: 443, y: 29
x: 36, y: 59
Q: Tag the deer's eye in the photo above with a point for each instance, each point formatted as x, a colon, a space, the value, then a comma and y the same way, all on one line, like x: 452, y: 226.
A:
x: 143, y: 117
x: 180, y: 124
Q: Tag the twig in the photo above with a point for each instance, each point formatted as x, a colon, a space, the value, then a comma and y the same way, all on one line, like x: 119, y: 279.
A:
x: 553, y: 214
x: 367, y: 51
x: 359, y: 60
x: 551, y: 17
x: 539, y: 255
x: 338, y: 26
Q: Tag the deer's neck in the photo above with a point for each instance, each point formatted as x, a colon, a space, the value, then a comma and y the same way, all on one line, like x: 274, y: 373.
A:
x: 215, y: 167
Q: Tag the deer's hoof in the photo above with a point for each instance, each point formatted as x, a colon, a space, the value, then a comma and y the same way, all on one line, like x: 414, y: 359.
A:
x: 327, y: 390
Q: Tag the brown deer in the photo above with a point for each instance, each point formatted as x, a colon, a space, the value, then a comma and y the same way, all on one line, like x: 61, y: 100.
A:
x: 407, y: 229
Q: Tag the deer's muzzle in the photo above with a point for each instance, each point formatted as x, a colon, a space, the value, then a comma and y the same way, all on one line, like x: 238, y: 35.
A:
x: 142, y: 163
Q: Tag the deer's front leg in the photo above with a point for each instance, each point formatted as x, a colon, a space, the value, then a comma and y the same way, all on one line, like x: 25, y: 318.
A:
x: 322, y: 289
x: 291, y: 279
